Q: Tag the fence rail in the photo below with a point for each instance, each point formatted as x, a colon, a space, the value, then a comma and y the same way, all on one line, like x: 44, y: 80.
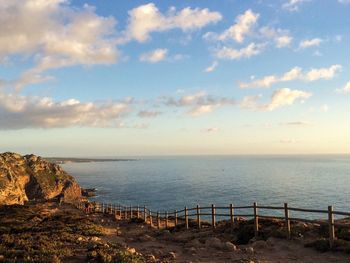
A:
x: 174, y: 218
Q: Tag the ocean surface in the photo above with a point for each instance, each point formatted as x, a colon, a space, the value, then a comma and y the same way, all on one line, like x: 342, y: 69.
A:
x: 168, y: 183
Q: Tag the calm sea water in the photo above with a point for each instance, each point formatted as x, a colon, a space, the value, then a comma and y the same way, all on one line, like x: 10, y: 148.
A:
x: 173, y: 182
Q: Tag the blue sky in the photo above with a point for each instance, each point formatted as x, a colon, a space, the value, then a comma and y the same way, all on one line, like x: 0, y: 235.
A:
x: 124, y: 78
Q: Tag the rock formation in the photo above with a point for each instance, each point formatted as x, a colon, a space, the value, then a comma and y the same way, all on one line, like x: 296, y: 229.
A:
x: 31, y: 177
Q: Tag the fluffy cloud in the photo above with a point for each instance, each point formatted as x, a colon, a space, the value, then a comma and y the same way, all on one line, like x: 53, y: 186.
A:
x: 280, y: 98
x: 281, y: 37
x: 345, y: 89
x: 285, y: 97
x: 293, y: 74
x: 310, y: 43
x: 145, y: 19
x: 54, y: 35
x: 234, y: 54
x: 54, y: 30
x: 199, y: 103
x: 243, y: 26
x: 18, y: 112
x: 154, y: 56
x: 250, y: 102
x: 293, y: 5
x: 322, y: 73
x: 212, y: 67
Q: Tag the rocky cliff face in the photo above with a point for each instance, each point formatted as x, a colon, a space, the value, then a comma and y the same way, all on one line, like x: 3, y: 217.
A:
x: 30, y: 177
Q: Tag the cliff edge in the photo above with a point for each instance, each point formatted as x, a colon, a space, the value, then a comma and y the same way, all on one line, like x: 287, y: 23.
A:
x: 30, y: 177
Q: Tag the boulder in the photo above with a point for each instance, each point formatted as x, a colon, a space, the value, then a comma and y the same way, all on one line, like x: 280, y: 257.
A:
x: 31, y: 177
x: 229, y: 246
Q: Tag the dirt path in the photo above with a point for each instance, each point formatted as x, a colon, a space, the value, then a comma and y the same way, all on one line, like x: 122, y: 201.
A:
x: 206, y: 246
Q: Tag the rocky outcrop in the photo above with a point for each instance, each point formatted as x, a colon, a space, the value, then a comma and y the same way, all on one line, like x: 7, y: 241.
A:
x: 31, y: 177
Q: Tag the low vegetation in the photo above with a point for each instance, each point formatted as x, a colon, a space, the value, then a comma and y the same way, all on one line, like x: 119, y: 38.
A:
x: 42, y: 233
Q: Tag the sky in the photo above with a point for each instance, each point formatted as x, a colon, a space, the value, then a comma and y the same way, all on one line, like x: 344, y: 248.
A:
x: 138, y: 78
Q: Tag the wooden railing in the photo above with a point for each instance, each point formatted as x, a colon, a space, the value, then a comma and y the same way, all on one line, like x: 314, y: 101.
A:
x: 172, y: 219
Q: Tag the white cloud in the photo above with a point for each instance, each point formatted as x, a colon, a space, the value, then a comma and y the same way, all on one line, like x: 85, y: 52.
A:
x: 148, y: 114
x: 53, y: 29
x: 285, y: 97
x: 293, y: 5
x: 315, y: 42
x: 234, y: 54
x: 154, y: 56
x: 322, y: 73
x: 52, y: 34
x: 18, y: 112
x: 243, y: 26
x: 295, y: 73
x: 279, y: 98
x: 145, y: 19
x: 199, y: 103
x: 281, y: 37
x: 250, y: 102
x: 212, y: 67
x: 344, y: 89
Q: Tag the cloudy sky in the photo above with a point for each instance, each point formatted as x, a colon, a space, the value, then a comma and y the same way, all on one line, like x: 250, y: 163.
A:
x: 124, y: 78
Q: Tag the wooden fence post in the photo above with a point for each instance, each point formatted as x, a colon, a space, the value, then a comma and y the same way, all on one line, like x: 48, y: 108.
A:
x: 150, y: 218
x: 144, y: 214
x: 213, y: 215
x: 331, y: 226
x: 125, y: 212
x: 138, y: 212
x: 158, y: 220
x: 175, y: 215
x: 198, y: 217
x: 232, y: 218
x: 166, y: 220
x: 131, y: 212
x: 286, y: 214
x: 256, y: 220
x: 186, y: 217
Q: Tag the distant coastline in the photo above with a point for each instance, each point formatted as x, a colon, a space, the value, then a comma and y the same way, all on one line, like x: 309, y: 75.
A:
x: 63, y: 160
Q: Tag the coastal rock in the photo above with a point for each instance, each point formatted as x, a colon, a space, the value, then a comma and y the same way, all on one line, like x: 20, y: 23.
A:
x: 31, y: 177
x: 230, y: 246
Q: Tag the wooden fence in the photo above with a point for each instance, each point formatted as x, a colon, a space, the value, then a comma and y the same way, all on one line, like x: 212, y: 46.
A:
x: 172, y: 219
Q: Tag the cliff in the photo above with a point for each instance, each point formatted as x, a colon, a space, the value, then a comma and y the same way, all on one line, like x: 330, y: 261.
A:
x: 30, y: 177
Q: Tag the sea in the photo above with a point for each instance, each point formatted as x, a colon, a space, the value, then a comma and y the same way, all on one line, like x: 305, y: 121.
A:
x: 169, y: 183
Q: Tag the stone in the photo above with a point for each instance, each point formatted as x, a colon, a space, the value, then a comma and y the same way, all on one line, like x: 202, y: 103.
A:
x: 95, y: 239
x: 131, y: 250
x: 230, y: 246
x: 172, y: 255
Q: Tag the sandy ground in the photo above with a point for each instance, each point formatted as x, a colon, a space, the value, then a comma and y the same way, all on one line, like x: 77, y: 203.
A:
x: 206, y: 246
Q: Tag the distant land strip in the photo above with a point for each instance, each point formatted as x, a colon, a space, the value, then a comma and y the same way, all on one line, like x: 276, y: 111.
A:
x: 62, y: 160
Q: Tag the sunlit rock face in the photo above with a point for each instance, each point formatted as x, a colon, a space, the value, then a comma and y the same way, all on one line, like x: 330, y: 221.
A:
x: 31, y: 177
